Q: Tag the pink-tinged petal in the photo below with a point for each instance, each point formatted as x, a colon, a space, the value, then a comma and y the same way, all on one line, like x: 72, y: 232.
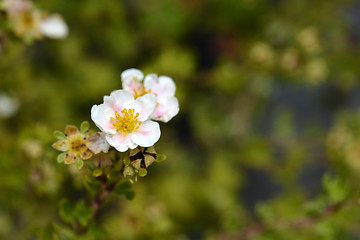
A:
x: 71, y: 130
x: 162, y: 86
x: 101, y: 115
x: 130, y: 77
x: 166, y: 109
x: 121, y: 142
x: 147, y: 135
x: 61, y: 145
x: 70, y: 158
x: 145, y: 106
x: 97, y: 143
x: 133, y: 87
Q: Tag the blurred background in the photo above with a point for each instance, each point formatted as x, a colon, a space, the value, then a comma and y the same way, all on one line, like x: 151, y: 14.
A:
x: 269, y: 104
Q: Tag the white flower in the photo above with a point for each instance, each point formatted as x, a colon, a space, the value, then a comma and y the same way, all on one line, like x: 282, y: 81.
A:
x: 125, y: 120
x: 163, y: 87
x: 54, y: 27
x: 8, y: 106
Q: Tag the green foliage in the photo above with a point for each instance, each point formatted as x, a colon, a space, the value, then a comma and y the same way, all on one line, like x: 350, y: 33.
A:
x: 84, y: 127
x: 61, y: 157
x: 65, y: 211
x: 160, y: 158
x: 124, y: 188
x: 59, y: 135
x: 266, y: 141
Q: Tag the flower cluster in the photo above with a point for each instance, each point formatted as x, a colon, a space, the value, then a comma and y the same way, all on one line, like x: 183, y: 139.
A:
x: 126, y: 120
x: 30, y: 23
x: 126, y: 115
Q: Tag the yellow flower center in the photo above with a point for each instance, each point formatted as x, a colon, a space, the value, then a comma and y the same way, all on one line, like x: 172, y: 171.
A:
x: 126, y: 122
x: 77, y: 145
x: 140, y: 91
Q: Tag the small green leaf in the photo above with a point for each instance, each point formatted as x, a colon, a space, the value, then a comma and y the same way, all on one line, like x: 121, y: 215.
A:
x: 113, y: 175
x: 61, y: 157
x: 122, y: 188
x: 84, y: 127
x: 97, y: 172
x: 126, y: 161
x: 79, y: 163
x: 59, y: 135
x: 336, y: 189
x: 91, y: 179
x: 160, y: 158
x: 142, y: 172
x: 82, y: 213
x: 63, y: 232
x: 130, y: 195
x: 65, y: 211
x: 92, y: 187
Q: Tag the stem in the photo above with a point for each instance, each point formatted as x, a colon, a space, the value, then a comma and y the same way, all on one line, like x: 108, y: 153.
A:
x: 99, y: 198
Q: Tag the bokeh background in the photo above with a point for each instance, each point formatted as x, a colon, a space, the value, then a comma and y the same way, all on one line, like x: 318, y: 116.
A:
x: 269, y: 104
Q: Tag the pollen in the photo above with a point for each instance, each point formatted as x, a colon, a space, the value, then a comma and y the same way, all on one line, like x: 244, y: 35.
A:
x: 77, y: 145
x: 126, y: 122
x: 140, y: 91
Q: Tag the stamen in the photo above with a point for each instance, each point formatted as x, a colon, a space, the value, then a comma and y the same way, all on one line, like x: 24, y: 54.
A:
x: 127, y: 122
x: 140, y: 91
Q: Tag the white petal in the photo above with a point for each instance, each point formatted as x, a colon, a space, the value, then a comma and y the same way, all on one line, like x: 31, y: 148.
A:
x: 101, y: 115
x: 145, y: 106
x: 121, y: 142
x: 162, y: 86
x: 147, y: 135
x: 120, y: 99
x: 8, y: 106
x: 54, y: 27
x: 166, y: 109
x: 131, y: 77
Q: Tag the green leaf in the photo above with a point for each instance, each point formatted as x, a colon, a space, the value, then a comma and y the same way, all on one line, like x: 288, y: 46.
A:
x: 61, y: 157
x: 97, y: 172
x: 126, y: 161
x: 79, y: 163
x: 113, y: 176
x: 59, y: 135
x: 130, y: 195
x: 336, y: 189
x: 122, y: 188
x: 160, y: 158
x: 142, y: 172
x: 82, y: 213
x: 84, y: 127
x: 65, y: 211
x: 92, y: 187
x: 63, y: 232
